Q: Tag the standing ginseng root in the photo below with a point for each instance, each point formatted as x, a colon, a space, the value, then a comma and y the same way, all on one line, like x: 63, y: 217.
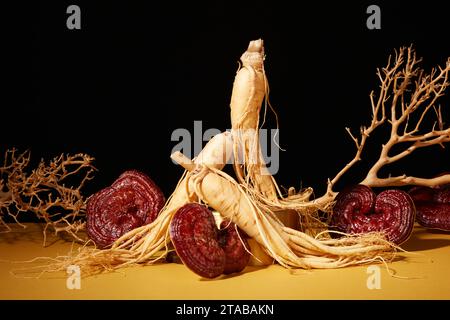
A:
x: 252, y: 200
x: 250, y: 92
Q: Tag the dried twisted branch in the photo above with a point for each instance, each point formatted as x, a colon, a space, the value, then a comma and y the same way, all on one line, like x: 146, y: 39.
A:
x: 406, y: 96
x: 44, y: 192
x: 427, y: 89
x: 405, y: 99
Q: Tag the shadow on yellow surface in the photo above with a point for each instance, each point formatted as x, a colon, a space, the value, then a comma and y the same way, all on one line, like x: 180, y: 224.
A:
x: 248, y: 269
x: 421, y: 240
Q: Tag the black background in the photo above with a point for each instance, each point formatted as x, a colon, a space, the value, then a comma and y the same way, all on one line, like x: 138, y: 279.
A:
x: 117, y: 88
x: 283, y: 309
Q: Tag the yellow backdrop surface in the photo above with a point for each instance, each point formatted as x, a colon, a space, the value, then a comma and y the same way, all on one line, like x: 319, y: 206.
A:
x: 427, y: 269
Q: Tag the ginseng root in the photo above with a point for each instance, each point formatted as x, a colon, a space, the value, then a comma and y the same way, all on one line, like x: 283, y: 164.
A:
x: 250, y: 91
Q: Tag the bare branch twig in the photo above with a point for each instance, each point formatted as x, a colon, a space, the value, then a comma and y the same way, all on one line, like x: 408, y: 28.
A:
x: 409, y: 91
x: 414, y: 92
x: 44, y: 191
